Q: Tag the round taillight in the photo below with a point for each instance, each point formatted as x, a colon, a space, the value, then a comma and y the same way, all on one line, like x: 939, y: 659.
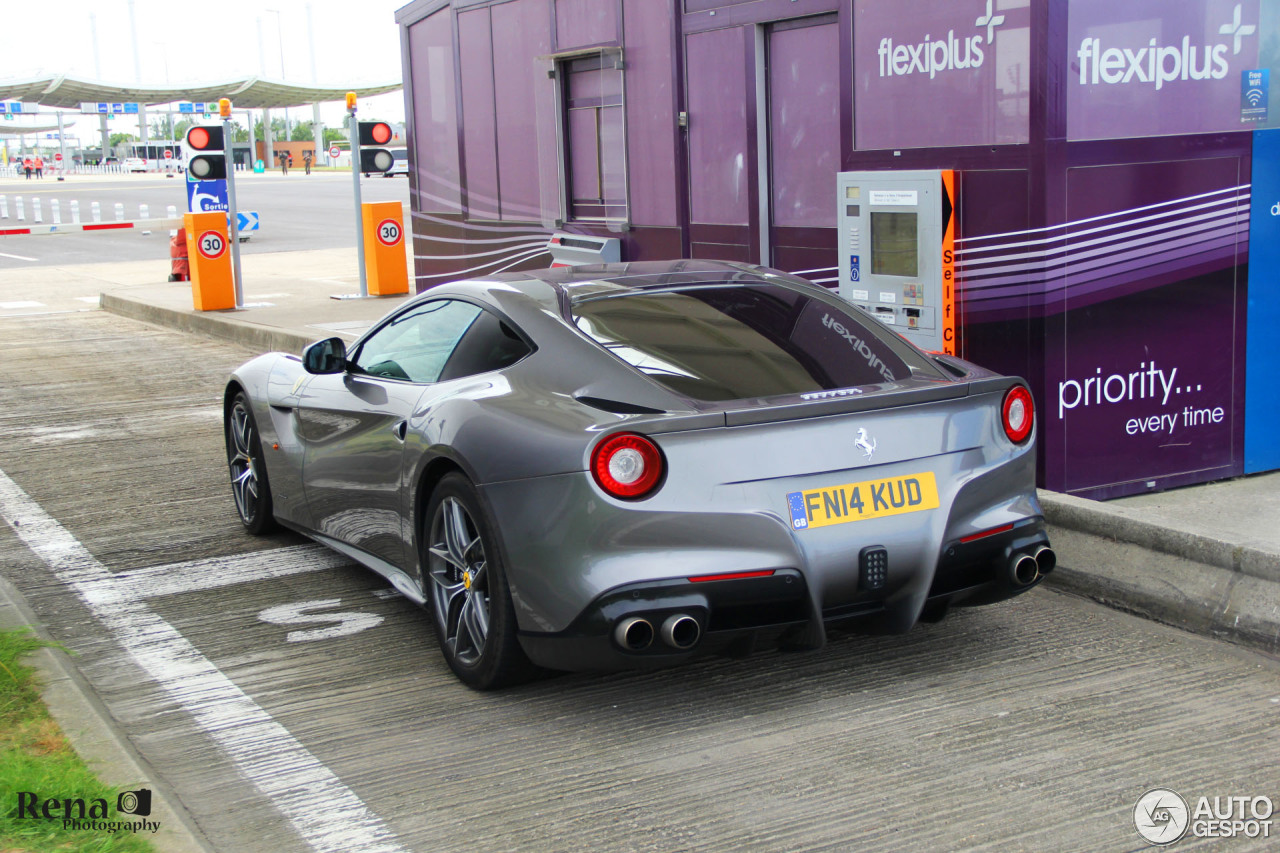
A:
x: 1018, y: 414
x: 627, y: 465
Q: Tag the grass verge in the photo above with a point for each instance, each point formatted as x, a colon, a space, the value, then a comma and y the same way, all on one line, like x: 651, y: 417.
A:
x: 36, y: 758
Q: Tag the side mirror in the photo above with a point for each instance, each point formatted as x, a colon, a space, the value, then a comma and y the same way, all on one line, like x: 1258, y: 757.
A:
x: 327, y: 356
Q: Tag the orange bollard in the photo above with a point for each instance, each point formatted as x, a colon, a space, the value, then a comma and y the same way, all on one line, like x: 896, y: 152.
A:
x: 386, y: 269
x: 209, y: 257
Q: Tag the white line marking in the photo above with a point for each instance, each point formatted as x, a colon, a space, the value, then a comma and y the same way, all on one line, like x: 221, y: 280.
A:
x: 327, y: 814
x: 46, y: 313
x: 92, y: 300
x: 216, y: 572
x: 343, y: 326
x: 342, y: 623
x: 17, y: 257
x: 25, y: 303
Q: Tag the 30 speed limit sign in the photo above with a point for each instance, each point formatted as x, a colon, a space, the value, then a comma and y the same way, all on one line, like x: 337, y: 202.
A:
x: 389, y: 232
x: 211, y: 245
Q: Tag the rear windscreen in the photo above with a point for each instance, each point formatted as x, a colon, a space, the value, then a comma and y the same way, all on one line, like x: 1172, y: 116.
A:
x: 732, y: 343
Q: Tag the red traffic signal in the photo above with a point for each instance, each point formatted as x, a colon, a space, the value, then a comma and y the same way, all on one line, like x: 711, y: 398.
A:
x: 374, y: 159
x: 374, y: 132
x: 208, y: 161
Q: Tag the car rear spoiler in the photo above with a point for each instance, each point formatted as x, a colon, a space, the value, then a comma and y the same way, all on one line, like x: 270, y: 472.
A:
x: 792, y: 409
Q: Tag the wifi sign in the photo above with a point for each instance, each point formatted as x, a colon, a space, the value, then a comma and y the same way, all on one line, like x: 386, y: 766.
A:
x: 1254, y: 89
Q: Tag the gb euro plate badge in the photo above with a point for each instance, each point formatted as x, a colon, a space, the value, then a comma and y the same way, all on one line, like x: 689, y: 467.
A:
x: 863, y: 500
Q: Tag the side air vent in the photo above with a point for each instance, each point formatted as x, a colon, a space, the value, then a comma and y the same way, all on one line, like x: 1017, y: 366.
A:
x: 618, y: 407
x: 952, y: 368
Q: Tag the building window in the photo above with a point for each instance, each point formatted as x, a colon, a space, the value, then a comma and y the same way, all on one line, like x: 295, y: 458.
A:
x: 594, y: 140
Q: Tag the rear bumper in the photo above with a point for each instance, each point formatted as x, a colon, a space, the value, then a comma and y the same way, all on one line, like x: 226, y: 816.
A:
x: 737, y: 616
x: 733, y: 616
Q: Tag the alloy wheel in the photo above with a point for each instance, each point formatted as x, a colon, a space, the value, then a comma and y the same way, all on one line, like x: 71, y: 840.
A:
x: 457, y: 567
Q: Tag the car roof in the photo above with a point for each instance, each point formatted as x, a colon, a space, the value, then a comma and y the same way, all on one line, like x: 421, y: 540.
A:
x: 558, y: 290
x: 578, y: 284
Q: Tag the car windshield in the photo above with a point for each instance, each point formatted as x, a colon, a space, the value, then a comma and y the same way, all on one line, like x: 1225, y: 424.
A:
x: 738, y: 342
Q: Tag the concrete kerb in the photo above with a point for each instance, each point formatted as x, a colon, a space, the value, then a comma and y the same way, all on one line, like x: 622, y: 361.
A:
x: 94, y: 735
x: 1179, y: 577
x: 210, y: 324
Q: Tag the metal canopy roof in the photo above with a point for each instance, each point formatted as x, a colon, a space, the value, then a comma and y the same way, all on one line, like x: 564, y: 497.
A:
x: 251, y: 93
x: 24, y: 129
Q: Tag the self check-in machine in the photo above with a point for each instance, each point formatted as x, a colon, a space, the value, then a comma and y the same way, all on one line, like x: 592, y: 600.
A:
x: 897, y: 231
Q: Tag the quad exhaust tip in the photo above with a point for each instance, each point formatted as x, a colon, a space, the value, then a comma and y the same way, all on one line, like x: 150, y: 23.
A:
x: 1024, y: 569
x: 634, y: 633
x: 681, y: 631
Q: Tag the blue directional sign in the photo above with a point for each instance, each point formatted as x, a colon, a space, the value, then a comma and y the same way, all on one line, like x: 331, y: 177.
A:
x: 207, y: 195
x: 117, y: 109
x: 14, y: 107
x: 247, y: 220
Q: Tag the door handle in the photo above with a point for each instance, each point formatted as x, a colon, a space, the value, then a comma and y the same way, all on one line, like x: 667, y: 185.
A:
x: 401, y: 429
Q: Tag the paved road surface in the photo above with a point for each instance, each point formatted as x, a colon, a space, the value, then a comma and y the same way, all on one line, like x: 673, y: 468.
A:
x: 1032, y: 725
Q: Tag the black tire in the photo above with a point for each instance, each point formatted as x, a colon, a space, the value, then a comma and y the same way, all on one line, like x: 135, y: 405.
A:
x: 249, y: 485
x: 465, y: 585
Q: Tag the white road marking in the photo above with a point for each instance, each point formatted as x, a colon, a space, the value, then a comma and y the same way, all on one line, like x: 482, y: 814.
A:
x: 343, y: 326
x: 55, y: 435
x: 92, y: 300
x: 45, y: 313
x: 215, y: 572
x: 17, y: 257
x: 26, y: 303
x: 343, y: 623
x: 327, y: 814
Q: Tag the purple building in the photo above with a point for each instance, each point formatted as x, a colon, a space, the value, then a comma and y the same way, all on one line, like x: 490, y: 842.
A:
x: 1104, y: 152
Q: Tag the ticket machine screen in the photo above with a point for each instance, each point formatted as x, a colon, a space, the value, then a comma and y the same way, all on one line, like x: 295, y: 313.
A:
x: 894, y: 249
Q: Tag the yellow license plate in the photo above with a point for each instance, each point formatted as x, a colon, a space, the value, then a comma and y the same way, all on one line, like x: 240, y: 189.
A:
x: 861, y: 501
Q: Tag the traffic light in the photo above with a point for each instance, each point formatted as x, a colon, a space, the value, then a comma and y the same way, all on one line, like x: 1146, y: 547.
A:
x: 374, y: 159
x: 208, y: 161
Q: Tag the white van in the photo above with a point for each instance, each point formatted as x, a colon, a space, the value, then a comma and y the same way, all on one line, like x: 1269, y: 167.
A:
x: 401, y: 164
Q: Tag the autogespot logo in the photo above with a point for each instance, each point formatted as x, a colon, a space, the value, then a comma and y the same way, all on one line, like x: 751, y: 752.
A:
x: 1161, y: 816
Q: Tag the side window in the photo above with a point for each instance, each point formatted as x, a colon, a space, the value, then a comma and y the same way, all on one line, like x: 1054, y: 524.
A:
x: 490, y: 344
x: 416, y: 345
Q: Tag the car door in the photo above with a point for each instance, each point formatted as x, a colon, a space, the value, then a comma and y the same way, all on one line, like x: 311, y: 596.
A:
x: 353, y: 425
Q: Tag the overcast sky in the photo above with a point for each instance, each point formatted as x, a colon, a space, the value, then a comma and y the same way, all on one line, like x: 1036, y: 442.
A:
x: 180, y: 41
